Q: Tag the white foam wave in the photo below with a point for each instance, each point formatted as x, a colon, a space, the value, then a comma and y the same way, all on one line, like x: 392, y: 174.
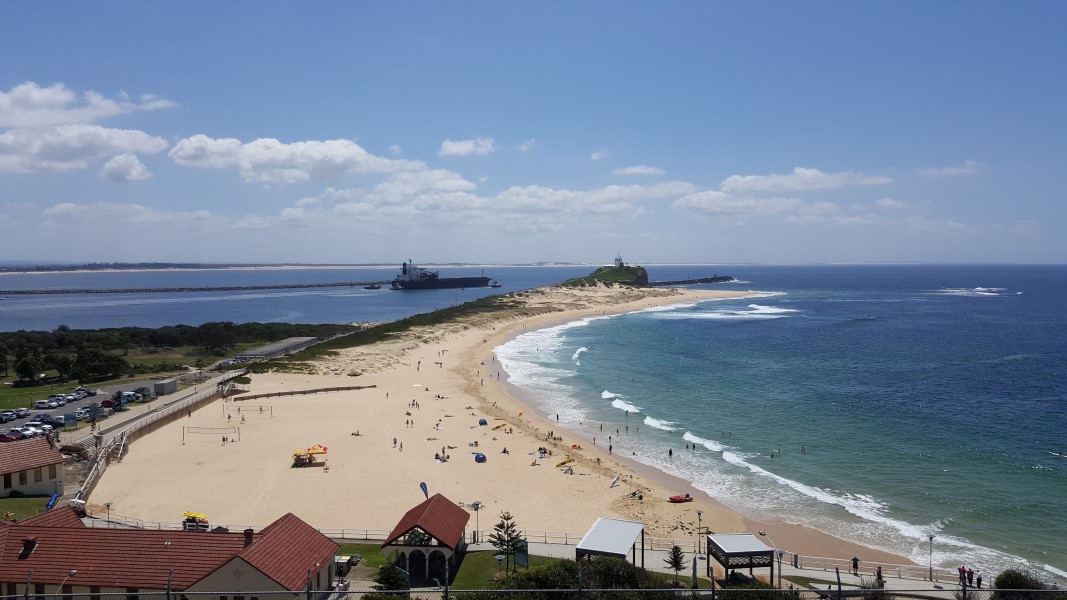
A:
x: 751, y: 312
x: 624, y: 405
x: 606, y: 394
x: 969, y: 292
x: 578, y: 353
x: 659, y: 423
x: 709, y: 444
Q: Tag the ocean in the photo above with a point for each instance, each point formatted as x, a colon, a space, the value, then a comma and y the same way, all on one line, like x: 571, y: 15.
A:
x: 899, y: 401
x: 880, y: 404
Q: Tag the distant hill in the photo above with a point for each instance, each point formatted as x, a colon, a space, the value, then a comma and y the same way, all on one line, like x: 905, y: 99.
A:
x: 628, y: 275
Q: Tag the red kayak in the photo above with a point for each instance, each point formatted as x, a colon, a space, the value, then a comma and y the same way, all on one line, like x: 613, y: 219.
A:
x: 681, y: 498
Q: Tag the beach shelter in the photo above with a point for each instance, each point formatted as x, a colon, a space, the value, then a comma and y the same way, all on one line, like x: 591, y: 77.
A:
x: 739, y: 550
x: 479, y: 457
x: 429, y: 538
x: 612, y: 537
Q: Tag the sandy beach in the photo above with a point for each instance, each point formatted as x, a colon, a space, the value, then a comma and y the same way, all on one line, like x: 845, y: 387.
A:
x: 431, y: 388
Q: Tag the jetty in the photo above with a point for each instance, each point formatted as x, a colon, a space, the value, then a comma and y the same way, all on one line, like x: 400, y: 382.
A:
x: 163, y: 290
x: 715, y: 279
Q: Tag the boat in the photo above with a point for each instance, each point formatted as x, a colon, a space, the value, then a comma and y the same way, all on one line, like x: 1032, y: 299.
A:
x: 412, y: 277
x: 680, y: 498
x: 373, y: 286
x: 495, y: 284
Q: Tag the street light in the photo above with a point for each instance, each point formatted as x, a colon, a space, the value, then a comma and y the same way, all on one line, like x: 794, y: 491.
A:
x: 700, y: 513
x: 108, y: 506
x: 779, y: 553
x: 476, y: 506
x: 931, y: 536
x: 70, y: 574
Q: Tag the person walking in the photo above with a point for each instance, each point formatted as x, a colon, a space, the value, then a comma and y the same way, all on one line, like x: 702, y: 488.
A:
x: 855, y: 565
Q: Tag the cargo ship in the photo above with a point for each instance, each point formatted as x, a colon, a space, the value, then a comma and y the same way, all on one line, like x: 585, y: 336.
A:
x: 412, y: 277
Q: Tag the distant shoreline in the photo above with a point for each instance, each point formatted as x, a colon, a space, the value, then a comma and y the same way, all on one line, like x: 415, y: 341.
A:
x: 11, y: 271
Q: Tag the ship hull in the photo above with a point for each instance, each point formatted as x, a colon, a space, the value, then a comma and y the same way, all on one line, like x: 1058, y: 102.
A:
x: 441, y: 283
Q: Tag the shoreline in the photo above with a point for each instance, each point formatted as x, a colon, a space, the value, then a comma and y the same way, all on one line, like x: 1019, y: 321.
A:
x: 423, y: 375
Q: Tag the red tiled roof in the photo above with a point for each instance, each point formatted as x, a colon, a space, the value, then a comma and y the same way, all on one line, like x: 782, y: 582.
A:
x: 26, y: 454
x: 58, y: 517
x: 273, y: 553
x: 437, y: 516
x: 142, y: 558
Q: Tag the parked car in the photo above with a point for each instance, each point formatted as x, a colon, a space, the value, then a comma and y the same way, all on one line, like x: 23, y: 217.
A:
x: 82, y: 414
x: 42, y: 427
x: 4, y: 437
x: 55, y: 421
x: 30, y: 432
x: 41, y: 417
x: 22, y: 413
x: 42, y: 405
x: 16, y: 433
x: 6, y: 416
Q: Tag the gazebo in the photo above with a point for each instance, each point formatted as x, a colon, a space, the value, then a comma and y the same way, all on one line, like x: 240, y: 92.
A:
x: 612, y: 537
x: 739, y: 550
x: 429, y: 537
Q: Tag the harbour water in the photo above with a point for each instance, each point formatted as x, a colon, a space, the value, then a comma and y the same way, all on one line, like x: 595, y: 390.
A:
x: 898, y: 401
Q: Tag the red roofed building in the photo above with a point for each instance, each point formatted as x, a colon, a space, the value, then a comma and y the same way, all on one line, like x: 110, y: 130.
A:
x: 56, y: 553
x: 429, y: 538
x: 33, y: 467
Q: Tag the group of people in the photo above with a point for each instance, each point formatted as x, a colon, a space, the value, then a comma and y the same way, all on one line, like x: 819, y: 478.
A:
x: 968, y: 577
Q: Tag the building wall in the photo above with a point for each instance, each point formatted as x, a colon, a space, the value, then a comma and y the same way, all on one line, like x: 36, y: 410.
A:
x: 10, y: 482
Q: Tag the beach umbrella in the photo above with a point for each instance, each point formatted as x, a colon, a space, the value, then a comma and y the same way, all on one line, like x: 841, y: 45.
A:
x: 479, y: 457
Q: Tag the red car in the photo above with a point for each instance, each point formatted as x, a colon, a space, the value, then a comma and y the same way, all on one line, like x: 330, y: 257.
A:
x: 11, y: 436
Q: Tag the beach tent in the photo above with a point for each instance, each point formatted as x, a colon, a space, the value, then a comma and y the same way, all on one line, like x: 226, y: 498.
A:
x: 479, y: 457
x: 612, y: 537
x: 739, y: 550
x: 483, y: 422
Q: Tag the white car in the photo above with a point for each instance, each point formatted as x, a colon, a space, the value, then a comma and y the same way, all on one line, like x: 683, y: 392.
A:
x: 43, y: 405
x: 38, y: 426
x: 29, y: 431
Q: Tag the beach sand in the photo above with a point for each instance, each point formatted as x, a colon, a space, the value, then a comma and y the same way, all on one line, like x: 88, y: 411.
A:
x: 431, y: 387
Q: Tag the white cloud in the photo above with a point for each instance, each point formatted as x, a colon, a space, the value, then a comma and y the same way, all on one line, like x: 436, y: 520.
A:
x: 598, y: 155
x: 112, y: 213
x: 53, y: 129
x: 968, y: 167
x: 801, y: 179
x: 526, y: 146
x: 713, y: 202
x: 125, y: 167
x: 270, y: 161
x: 67, y: 147
x: 29, y: 105
x: 889, y: 203
x: 478, y: 147
x: 396, y: 150
x: 638, y: 170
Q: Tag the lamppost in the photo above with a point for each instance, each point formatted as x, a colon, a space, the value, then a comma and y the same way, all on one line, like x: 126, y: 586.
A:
x: 476, y: 506
x: 70, y: 574
x: 931, y: 536
x: 108, y: 506
x: 700, y: 513
x: 779, y: 553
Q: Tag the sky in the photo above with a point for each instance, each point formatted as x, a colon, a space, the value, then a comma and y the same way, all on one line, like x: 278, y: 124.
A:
x: 507, y: 132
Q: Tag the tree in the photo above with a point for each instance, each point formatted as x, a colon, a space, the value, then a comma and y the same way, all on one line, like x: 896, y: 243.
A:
x: 93, y: 365
x: 390, y: 577
x: 29, y: 368
x: 62, y: 363
x: 675, y: 561
x: 506, y: 538
x: 5, y: 364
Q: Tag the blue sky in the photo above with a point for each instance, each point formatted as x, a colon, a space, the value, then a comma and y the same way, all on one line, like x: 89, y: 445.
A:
x: 352, y: 132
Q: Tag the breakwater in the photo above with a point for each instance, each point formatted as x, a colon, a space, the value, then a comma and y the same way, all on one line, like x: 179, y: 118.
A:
x: 715, y: 279
x: 219, y: 288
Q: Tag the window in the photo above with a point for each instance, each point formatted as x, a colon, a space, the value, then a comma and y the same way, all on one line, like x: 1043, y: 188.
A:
x: 7, y: 485
x: 67, y: 591
x: 38, y: 474
x: 23, y: 477
x: 38, y: 589
x: 11, y: 591
x: 131, y: 593
x: 51, y: 471
x: 94, y: 592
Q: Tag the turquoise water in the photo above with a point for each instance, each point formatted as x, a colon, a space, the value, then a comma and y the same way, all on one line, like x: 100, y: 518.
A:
x: 905, y: 401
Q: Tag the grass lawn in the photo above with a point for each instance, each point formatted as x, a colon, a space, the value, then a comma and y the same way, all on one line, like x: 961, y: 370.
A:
x: 22, y: 508
x: 480, y: 568
x: 371, y: 553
